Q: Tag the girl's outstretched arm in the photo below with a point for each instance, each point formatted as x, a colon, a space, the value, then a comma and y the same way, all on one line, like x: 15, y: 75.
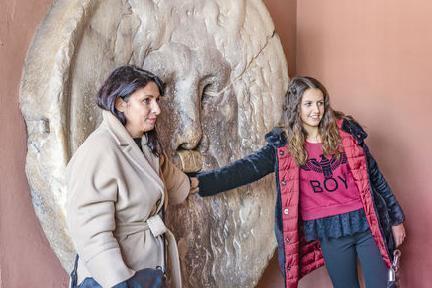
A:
x: 241, y: 172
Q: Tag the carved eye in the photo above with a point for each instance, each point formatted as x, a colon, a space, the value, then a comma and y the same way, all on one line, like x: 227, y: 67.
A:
x: 209, y: 90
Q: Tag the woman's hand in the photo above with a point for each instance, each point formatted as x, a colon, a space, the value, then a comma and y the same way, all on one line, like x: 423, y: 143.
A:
x: 194, y: 183
x: 398, y: 234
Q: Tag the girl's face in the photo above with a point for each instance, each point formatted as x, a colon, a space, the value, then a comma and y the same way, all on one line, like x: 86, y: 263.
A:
x: 141, y: 110
x: 311, y: 108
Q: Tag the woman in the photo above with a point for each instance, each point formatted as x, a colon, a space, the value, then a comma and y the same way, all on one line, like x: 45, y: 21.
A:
x: 119, y: 182
x: 333, y: 204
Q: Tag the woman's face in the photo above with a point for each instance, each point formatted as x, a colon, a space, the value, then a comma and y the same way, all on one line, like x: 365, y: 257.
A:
x: 311, y: 108
x: 141, y: 110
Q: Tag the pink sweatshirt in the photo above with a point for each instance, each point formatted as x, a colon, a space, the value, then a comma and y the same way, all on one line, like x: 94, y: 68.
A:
x: 327, y: 186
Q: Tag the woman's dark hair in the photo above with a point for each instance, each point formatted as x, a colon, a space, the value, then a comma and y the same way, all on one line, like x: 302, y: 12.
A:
x: 296, y: 134
x: 123, y: 82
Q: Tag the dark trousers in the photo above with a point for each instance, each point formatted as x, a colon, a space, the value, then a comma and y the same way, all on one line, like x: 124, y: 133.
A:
x: 340, y: 256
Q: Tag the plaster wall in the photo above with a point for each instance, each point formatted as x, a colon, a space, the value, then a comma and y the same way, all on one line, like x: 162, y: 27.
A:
x: 374, y: 58
x: 26, y: 260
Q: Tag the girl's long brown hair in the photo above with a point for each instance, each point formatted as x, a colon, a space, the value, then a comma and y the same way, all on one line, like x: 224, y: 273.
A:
x: 296, y: 134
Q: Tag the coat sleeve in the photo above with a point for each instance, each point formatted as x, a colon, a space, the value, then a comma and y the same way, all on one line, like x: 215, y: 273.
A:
x: 241, y: 172
x: 90, y: 209
x: 176, y: 182
x: 383, y: 188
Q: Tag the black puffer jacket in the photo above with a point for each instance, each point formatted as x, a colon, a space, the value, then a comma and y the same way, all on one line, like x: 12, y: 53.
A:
x: 388, y: 209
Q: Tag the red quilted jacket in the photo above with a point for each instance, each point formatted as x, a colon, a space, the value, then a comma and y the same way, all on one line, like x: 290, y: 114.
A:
x: 296, y: 256
x: 302, y: 257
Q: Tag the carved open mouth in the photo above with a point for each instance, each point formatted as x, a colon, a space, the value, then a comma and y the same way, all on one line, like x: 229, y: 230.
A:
x: 191, y: 160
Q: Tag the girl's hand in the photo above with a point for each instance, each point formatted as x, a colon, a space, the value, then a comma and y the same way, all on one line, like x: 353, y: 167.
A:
x: 398, y: 234
x: 194, y: 182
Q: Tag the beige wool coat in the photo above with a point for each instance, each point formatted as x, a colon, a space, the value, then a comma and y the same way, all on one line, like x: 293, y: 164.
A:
x: 114, y: 188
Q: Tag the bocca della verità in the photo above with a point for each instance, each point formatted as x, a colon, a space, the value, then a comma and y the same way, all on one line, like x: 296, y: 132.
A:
x: 226, y: 77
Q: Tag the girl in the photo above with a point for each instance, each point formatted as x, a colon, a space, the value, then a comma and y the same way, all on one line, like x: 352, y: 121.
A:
x: 119, y: 182
x: 333, y: 204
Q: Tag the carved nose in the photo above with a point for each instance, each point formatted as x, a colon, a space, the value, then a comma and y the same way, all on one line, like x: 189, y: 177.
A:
x: 188, y: 132
x: 186, y: 138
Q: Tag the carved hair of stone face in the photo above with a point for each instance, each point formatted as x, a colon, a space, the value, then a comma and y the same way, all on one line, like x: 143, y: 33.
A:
x: 122, y: 83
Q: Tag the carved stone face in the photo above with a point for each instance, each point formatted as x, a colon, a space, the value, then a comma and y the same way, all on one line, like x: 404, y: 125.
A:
x: 226, y: 78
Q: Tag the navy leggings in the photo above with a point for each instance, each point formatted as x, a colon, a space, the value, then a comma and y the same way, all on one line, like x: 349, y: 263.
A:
x: 340, y: 256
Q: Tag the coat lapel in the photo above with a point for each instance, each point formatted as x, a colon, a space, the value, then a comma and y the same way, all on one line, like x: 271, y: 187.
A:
x: 145, y: 161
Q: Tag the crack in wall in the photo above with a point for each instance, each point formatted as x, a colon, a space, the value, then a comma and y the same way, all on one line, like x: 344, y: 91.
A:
x: 249, y: 64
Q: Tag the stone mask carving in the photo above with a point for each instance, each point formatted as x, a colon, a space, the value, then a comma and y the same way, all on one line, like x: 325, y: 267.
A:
x: 226, y: 78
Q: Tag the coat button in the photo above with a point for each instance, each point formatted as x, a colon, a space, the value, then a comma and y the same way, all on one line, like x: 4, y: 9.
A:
x: 286, y: 211
x: 287, y: 240
x: 283, y: 182
x: 281, y: 153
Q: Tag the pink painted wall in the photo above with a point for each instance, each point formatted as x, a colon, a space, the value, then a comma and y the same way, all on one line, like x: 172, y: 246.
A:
x: 375, y: 59
x: 26, y: 259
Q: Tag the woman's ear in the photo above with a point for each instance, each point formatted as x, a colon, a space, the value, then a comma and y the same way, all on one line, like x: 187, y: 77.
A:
x: 120, y: 104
